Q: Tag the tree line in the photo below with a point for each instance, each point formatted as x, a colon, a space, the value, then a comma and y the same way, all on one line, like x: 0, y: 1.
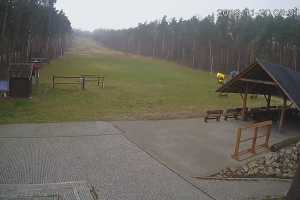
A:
x: 222, y: 42
x: 32, y: 28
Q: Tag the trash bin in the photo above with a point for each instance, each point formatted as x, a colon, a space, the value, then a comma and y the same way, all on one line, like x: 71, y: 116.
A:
x: 4, y: 87
x: 20, y: 80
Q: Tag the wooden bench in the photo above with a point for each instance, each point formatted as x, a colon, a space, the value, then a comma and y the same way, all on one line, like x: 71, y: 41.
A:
x: 94, y: 78
x: 264, y: 113
x: 213, y: 114
x: 232, y: 113
x: 68, y: 80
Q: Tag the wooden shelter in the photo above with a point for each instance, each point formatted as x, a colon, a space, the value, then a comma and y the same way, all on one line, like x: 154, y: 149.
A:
x: 269, y: 80
x: 20, y: 83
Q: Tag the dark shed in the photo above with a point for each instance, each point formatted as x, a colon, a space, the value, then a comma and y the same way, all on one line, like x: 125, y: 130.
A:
x: 4, y: 73
x: 269, y: 80
x: 20, y: 82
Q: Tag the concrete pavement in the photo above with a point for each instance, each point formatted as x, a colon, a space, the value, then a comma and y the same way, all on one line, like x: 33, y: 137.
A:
x: 94, y: 152
x: 129, y: 160
x: 243, y: 190
x: 188, y: 146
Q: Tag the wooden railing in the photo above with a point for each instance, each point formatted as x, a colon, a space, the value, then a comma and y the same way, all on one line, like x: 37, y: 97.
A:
x: 94, y: 78
x: 68, y: 80
x: 253, y: 139
x: 77, y: 80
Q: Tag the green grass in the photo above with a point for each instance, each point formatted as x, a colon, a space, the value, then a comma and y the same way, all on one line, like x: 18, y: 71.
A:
x: 135, y: 88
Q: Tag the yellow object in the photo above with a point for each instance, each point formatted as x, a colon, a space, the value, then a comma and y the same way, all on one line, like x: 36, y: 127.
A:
x: 221, y: 78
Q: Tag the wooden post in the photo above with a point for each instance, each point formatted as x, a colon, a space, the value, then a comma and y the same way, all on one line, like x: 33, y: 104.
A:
x: 82, y: 81
x: 53, y: 82
x: 269, y: 129
x: 269, y: 101
x: 236, y: 154
x: 244, y: 111
x: 282, y: 114
x: 254, y: 140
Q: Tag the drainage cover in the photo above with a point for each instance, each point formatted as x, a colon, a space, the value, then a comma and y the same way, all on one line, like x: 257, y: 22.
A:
x: 50, y: 191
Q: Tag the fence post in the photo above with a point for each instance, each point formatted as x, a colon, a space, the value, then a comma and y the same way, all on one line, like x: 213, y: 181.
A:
x: 253, y: 148
x: 237, y: 145
x: 53, y: 82
x: 268, y: 136
x: 82, y: 81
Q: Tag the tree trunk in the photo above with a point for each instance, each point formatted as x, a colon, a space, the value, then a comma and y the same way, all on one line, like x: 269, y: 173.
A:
x: 194, y: 53
x: 238, y: 67
x: 139, y: 47
x: 211, y: 57
x: 162, y: 54
x: 227, y: 57
x: 280, y: 54
x: 4, y: 21
x: 295, y: 59
x: 294, y: 192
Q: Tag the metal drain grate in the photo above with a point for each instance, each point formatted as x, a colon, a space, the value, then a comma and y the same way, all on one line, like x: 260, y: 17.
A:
x: 32, y: 197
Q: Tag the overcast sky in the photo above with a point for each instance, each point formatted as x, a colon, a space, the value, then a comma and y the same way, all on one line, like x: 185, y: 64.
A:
x: 116, y: 14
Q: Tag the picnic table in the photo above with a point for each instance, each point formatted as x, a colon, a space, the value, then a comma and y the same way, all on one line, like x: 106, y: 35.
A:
x: 264, y: 113
x: 213, y: 114
x: 232, y: 113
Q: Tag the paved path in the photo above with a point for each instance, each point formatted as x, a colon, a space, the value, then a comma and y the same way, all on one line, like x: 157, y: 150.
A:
x: 127, y: 160
x: 92, y: 151
x: 188, y: 146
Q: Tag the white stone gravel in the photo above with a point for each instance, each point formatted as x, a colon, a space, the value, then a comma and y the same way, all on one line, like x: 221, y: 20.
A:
x: 281, y: 164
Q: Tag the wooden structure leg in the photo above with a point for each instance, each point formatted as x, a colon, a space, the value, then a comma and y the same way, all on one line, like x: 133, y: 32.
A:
x: 244, y: 110
x: 82, y: 81
x: 254, y: 140
x: 268, y: 100
x: 282, y: 114
x: 236, y: 154
x: 268, y: 136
